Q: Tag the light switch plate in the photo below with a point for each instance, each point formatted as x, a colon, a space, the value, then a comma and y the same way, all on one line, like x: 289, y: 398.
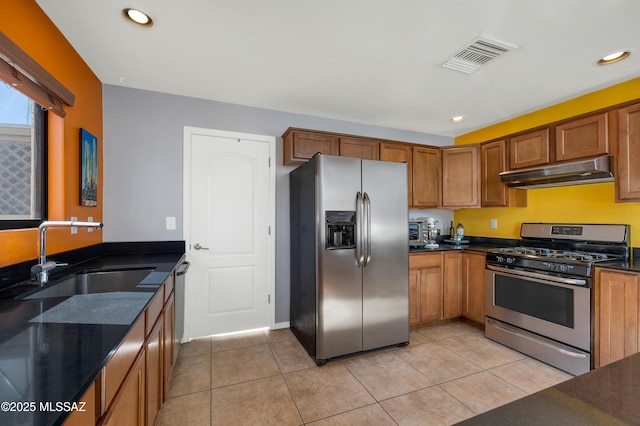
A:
x: 171, y: 223
x: 74, y: 229
x: 493, y: 223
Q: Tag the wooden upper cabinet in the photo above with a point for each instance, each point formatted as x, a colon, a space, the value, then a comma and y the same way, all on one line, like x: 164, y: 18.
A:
x: 461, y: 176
x: 300, y: 145
x: 494, y: 193
x: 530, y: 149
x: 583, y: 138
x: 628, y: 154
x: 427, y: 166
x: 400, y: 153
x: 359, y: 148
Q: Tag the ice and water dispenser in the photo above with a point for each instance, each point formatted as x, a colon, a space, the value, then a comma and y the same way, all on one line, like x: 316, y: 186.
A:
x: 340, y: 230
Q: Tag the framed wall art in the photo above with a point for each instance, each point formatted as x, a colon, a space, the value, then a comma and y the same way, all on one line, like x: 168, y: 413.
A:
x: 88, y: 169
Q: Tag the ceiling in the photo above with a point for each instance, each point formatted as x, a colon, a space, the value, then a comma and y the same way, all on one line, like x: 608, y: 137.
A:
x: 367, y: 61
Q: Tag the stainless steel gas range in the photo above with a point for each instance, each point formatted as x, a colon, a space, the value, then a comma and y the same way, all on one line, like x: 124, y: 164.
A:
x: 538, y: 295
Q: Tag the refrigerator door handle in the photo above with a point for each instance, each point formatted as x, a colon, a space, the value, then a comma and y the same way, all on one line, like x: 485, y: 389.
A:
x: 367, y: 246
x: 359, y: 230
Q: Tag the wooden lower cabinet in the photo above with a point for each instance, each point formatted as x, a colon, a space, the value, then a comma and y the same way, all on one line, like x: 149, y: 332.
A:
x: 170, y: 343
x: 154, y: 350
x: 88, y: 415
x: 435, y: 287
x: 452, y: 285
x: 128, y: 407
x: 616, y: 315
x: 473, y: 295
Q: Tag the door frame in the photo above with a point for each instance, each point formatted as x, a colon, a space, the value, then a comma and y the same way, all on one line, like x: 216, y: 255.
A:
x: 186, y: 214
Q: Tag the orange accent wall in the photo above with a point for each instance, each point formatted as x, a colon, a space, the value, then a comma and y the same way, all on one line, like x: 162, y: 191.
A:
x: 29, y: 27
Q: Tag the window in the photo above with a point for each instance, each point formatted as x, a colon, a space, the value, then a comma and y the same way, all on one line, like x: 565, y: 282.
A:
x: 23, y: 160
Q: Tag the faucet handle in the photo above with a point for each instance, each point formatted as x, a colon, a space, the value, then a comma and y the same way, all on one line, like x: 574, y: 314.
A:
x: 47, y: 266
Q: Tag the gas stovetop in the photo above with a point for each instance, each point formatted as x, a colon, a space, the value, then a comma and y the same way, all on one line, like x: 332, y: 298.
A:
x: 564, y: 249
x: 560, y: 255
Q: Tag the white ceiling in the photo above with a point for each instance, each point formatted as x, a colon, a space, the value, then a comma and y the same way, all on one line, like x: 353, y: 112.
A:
x: 367, y: 61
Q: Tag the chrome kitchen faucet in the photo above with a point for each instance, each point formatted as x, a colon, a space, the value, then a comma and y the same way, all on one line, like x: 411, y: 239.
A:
x: 42, y: 268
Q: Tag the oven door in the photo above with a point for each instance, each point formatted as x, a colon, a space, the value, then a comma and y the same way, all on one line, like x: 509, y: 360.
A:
x: 555, y: 307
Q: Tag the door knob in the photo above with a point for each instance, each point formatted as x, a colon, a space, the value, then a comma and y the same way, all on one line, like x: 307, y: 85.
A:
x: 199, y: 247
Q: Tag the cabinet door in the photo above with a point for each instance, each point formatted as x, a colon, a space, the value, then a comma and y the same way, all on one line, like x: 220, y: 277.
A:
x: 426, y: 177
x: 452, y: 285
x: 414, y: 296
x: 359, y: 148
x: 583, y: 138
x: 530, y: 149
x: 461, y: 176
x: 170, y: 343
x: 628, y: 154
x: 300, y: 146
x: 473, y: 286
x: 616, y: 309
x: 431, y: 294
x: 400, y: 153
x: 154, y: 375
x: 128, y: 407
x: 494, y: 193
x: 88, y: 416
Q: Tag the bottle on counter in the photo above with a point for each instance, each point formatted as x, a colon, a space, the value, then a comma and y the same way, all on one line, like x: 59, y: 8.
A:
x: 452, y: 232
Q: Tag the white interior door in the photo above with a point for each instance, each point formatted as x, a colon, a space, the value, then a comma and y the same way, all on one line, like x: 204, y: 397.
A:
x: 229, y: 231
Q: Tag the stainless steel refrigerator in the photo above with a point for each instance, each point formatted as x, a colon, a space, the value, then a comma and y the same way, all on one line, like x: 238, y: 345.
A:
x: 349, y: 255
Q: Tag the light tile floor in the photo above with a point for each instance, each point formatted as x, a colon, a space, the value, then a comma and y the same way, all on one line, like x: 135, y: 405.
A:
x: 448, y: 373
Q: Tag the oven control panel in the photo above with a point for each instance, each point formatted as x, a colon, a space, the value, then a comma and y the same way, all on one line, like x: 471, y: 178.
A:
x: 566, y: 230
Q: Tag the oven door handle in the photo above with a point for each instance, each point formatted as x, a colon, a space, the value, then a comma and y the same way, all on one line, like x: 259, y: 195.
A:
x: 562, y: 280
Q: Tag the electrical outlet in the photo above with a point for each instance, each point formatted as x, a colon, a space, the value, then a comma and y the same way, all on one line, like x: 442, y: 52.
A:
x: 74, y: 229
x: 493, y: 223
x: 171, y: 223
x: 90, y: 219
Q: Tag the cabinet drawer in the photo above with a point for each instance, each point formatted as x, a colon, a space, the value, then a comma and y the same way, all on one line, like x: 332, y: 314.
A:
x: 169, y: 284
x: 425, y: 260
x: 116, y: 369
x: 154, y: 309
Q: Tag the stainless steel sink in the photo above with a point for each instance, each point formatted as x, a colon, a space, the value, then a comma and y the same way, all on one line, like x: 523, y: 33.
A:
x: 104, y: 281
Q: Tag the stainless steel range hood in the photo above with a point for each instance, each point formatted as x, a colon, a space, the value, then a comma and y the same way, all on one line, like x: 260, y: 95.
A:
x: 582, y: 172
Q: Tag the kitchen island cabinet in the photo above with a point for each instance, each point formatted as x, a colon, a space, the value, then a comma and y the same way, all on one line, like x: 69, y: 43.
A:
x: 616, y: 315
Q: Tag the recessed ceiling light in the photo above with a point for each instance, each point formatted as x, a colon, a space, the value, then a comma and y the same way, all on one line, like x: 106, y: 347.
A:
x: 137, y: 17
x: 614, y: 57
x: 457, y: 119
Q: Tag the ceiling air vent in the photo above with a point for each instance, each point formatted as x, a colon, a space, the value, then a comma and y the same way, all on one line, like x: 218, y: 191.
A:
x: 480, y: 51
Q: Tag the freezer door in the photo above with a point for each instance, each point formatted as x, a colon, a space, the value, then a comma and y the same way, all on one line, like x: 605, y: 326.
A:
x: 339, y: 311
x: 385, y: 308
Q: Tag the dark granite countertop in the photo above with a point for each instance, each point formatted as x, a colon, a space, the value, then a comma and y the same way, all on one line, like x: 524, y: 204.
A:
x: 43, y: 361
x: 604, y: 396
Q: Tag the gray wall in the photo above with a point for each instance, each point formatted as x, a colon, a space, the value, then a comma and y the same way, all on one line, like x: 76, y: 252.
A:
x: 142, y: 150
